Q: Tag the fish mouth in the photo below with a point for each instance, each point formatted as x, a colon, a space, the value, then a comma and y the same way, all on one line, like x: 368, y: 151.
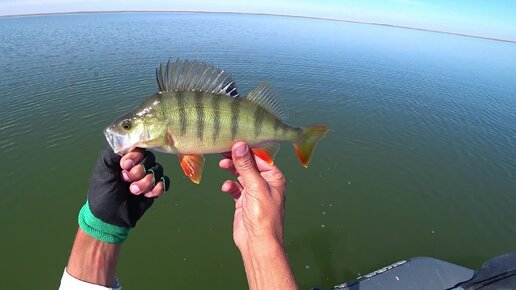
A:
x: 116, y: 141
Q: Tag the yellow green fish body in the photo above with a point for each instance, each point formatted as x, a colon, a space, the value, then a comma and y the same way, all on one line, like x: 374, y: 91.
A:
x: 197, y: 110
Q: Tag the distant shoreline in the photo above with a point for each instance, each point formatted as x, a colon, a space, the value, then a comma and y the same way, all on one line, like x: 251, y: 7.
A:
x: 265, y: 14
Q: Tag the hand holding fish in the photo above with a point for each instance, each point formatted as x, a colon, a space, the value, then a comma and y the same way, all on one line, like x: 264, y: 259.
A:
x: 259, y: 196
x: 121, y: 190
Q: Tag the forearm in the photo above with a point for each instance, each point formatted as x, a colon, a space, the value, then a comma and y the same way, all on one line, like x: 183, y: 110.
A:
x: 93, y: 261
x: 267, y: 266
x: 249, y: 270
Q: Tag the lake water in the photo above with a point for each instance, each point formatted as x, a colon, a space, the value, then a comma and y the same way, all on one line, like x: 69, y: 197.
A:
x: 420, y: 160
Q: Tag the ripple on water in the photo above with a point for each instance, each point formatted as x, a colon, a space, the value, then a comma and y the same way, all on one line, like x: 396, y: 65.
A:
x: 423, y: 135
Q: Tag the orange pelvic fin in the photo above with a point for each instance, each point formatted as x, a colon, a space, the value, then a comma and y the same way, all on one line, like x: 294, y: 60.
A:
x: 192, y: 165
x: 267, y: 152
x: 305, y: 145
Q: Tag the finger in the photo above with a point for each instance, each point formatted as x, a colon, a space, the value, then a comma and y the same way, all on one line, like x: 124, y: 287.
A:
x: 233, y: 188
x: 263, y: 165
x: 143, y: 185
x: 132, y: 158
x: 166, y: 182
x: 157, y: 191
x: 246, y: 168
x: 148, y: 160
x: 136, y: 173
x: 140, y: 170
x: 227, y: 164
x: 271, y: 173
x: 275, y: 176
x: 157, y: 172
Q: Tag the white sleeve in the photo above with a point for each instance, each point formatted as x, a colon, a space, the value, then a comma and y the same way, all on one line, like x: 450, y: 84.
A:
x: 68, y: 282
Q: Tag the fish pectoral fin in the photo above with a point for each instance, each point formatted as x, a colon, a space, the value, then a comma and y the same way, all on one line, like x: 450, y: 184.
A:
x: 169, y: 137
x: 161, y: 140
x: 267, y: 152
x: 192, y: 165
x: 158, y: 142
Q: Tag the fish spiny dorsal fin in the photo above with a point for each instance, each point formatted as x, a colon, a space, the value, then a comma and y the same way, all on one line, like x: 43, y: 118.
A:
x: 184, y: 75
x: 265, y: 97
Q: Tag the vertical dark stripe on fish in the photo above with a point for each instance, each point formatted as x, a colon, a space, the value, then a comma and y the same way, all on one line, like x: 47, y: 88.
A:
x: 215, y: 101
x: 259, y: 115
x: 200, y: 114
x: 277, y: 126
x: 235, y: 116
x: 182, y: 111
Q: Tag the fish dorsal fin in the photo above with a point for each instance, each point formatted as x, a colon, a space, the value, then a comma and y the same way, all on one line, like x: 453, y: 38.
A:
x: 265, y: 97
x: 185, y: 75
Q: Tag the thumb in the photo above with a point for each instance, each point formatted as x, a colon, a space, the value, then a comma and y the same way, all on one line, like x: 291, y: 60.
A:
x: 245, y: 166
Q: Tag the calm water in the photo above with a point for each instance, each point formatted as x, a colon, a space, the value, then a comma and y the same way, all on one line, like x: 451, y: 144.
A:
x: 421, y: 159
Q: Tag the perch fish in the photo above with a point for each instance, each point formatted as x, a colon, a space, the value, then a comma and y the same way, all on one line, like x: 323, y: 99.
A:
x: 198, y: 110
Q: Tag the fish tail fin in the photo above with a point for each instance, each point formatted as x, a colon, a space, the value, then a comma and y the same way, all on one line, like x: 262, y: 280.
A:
x: 306, y: 142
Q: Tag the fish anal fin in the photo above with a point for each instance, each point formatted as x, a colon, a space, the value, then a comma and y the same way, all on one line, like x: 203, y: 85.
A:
x: 265, y: 97
x: 267, y: 152
x: 192, y: 165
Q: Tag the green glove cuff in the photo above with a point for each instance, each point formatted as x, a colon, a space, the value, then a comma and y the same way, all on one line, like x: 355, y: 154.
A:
x: 100, y: 230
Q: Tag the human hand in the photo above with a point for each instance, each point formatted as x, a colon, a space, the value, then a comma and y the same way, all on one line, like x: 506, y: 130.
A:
x: 259, y: 196
x: 121, y: 190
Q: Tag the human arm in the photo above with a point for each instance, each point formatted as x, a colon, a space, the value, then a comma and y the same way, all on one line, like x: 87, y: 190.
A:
x: 121, y: 190
x: 259, y: 195
x: 93, y: 261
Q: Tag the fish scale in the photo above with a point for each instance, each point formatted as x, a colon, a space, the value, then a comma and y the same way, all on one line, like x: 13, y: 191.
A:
x: 212, y: 128
x: 198, y: 110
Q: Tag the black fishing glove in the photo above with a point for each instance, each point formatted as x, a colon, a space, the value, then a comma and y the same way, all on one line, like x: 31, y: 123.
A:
x: 111, y: 209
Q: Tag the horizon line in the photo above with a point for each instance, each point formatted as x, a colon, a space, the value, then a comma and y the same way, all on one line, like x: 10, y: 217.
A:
x: 266, y: 14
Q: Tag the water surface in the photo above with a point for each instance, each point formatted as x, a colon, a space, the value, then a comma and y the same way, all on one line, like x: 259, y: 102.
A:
x: 420, y: 160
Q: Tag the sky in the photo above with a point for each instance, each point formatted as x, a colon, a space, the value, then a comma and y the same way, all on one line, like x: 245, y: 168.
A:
x: 487, y: 18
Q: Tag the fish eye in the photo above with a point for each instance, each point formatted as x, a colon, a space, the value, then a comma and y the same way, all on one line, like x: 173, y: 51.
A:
x: 126, y: 124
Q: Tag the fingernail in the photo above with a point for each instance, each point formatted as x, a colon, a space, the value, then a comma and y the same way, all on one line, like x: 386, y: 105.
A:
x: 125, y: 177
x: 134, y: 188
x: 241, y: 150
x: 128, y: 164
